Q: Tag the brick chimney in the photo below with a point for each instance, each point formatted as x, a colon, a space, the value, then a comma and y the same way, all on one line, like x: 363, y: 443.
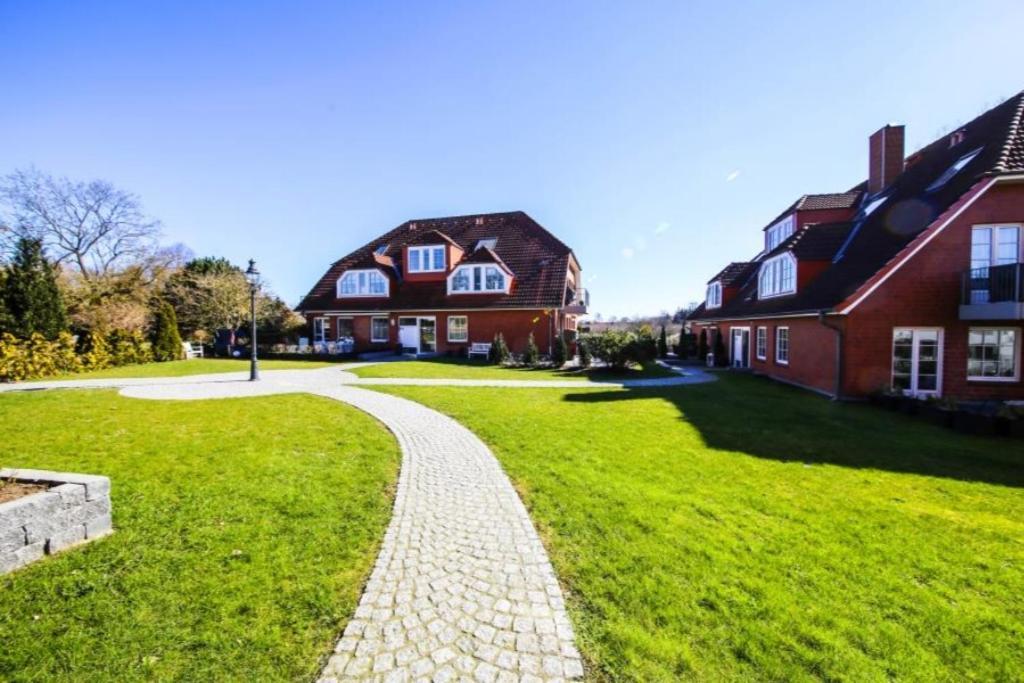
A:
x: 885, y: 157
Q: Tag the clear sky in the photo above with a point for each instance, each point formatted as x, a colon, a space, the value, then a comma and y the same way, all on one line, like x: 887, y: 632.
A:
x: 656, y: 139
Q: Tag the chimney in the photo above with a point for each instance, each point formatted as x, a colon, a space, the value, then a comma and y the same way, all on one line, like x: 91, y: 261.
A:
x: 885, y: 157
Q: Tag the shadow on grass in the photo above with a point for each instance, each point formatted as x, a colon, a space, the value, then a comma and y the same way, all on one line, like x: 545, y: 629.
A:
x: 765, y: 419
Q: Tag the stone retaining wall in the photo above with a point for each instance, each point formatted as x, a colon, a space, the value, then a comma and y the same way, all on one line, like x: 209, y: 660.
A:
x: 74, y: 510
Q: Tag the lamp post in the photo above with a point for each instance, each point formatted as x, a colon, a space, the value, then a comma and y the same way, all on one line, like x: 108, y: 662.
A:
x: 253, y: 276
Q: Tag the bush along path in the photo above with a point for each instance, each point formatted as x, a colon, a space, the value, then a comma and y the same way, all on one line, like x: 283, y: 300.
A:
x: 462, y: 585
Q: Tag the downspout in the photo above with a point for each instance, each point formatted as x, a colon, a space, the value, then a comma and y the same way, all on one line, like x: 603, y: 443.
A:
x: 837, y: 395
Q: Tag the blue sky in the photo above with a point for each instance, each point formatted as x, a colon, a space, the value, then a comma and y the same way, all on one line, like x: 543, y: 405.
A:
x: 656, y: 139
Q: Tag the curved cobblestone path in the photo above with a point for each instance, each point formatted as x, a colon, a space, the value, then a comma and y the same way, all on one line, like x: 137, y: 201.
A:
x: 462, y: 588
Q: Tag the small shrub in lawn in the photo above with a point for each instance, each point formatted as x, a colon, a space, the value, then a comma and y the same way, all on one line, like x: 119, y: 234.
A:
x: 531, y: 356
x: 583, y: 348
x: 166, y: 340
x: 499, y: 354
x: 720, y: 358
x: 702, y: 346
x: 618, y: 349
x: 560, y: 353
x: 662, y: 344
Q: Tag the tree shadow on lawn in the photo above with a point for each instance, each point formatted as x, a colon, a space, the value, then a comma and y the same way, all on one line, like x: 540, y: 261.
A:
x: 766, y: 419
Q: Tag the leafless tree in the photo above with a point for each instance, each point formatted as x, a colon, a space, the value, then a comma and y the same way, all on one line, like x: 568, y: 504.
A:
x: 92, y: 227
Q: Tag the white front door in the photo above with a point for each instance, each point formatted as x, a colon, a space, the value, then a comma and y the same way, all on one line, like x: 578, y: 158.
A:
x: 409, y: 334
x: 741, y: 347
x: 917, y: 360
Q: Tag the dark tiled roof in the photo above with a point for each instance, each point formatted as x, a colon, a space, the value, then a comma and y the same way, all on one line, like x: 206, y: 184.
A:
x: 485, y: 255
x: 874, y: 238
x: 814, y: 242
x: 735, y: 273
x: 429, y: 236
x: 538, y: 260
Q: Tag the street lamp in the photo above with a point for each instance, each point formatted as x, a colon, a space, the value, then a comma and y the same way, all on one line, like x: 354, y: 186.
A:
x: 253, y: 276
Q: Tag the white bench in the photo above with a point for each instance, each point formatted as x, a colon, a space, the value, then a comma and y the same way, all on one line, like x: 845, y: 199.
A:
x: 479, y: 349
x: 192, y: 350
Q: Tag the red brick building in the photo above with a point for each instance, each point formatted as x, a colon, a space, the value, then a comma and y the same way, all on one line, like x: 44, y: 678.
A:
x: 442, y: 284
x: 911, y: 280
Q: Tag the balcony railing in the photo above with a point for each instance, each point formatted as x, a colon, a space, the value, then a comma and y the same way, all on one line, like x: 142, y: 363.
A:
x: 993, y: 284
x: 993, y: 293
x: 580, y: 302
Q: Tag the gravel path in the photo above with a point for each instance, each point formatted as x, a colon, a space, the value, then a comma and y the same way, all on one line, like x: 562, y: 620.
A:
x: 462, y: 588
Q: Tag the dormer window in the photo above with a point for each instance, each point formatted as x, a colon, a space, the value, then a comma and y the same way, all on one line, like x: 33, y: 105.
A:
x: 484, y: 279
x: 777, y: 234
x: 429, y: 259
x: 714, y: 295
x: 777, y: 277
x: 363, y: 283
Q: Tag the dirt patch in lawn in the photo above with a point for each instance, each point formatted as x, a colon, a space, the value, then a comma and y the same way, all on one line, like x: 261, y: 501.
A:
x: 10, y: 490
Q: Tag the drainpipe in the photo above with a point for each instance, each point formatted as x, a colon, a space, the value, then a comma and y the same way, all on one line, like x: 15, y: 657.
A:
x: 837, y: 396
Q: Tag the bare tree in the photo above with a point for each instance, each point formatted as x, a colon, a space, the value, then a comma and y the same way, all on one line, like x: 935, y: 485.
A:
x: 92, y: 226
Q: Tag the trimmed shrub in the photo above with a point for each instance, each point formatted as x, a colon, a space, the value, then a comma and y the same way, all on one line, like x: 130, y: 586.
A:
x: 619, y: 349
x: 720, y: 358
x: 499, y: 353
x: 94, y: 351
x: 702, y: 346
x: 166, y: 340
x: 560, y: 352
x: 37, y: 356
x: 583, y: 348
x: 662, y: 344
x: 128, y: 347
x: 531, y: 356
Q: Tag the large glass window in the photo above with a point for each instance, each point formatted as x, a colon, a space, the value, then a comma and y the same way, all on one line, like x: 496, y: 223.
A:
x: 363, y: 283
x: 319, y: 330
x: 777, y: 276
x: 494, y: 280
x: 478, y: 279
x: 761, y: 344
x: 992, y: 354
x: 378, y: 329
x: 458, y: 328
x: 782, y: 345
x: 916, y: 355
x: 777, y: 234
x: 426, y: 259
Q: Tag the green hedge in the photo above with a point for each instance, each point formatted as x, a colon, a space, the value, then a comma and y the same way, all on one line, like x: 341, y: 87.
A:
x: 35, y: 357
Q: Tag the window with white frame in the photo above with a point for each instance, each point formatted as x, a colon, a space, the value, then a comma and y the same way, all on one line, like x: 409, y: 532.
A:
x: 782, y: 345
x: 428, y: 259
x: 319, y: 330
x: 363, y: 283
x: 378, y: 329
x: 761, y: 343
x: 346, y: 328
x: 714, y: 295
x: 458, y: 328
x: 777, y: 234
x: 478, y: 278
x: 992, y: 354
x: 777, y: 276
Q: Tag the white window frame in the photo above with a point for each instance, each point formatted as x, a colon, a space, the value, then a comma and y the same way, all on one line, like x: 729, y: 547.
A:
x: 482, y: 268
x: 993, y: 241
x: 368, y: 272
x: 448, y: 327
x: 761, y: 343
x: 778, y: 232
x: 320, y: 322
x: 430, y: 251
x: 778, y: 345
x: 713, y: 297
x: 387, y: 329
x: 915, y: 359
x: 1016, y: 354
x: 337, y: 327
x: 771, y: 272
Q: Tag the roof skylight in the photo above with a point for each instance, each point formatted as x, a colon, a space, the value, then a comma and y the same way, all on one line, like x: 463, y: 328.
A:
x: 489, y: 243
x: 872, y: 205
x: 381, y: 250
x: 953, y: 170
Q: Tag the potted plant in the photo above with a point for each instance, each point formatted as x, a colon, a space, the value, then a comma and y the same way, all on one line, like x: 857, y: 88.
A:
x: 974, y: 420
x: 1010, y: 421
x: 939, y: 411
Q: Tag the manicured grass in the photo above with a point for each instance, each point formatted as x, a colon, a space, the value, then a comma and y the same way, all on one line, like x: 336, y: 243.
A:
x: 245, y: 529
x: 746, y: 530
x: 196, y: 366
x: 455, y: 368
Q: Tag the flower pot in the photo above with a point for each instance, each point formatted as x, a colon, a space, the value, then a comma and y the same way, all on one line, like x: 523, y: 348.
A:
x: 974, y: 423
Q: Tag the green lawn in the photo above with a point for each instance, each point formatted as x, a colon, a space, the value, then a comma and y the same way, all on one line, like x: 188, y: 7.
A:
x: 746, y: 530
x: 196, y: 366
x: 455, y: 368
x: 245, y: 529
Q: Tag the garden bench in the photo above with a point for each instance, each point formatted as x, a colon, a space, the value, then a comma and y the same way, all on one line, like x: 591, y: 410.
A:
x: 479, y: 349
x: 192, y: 350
